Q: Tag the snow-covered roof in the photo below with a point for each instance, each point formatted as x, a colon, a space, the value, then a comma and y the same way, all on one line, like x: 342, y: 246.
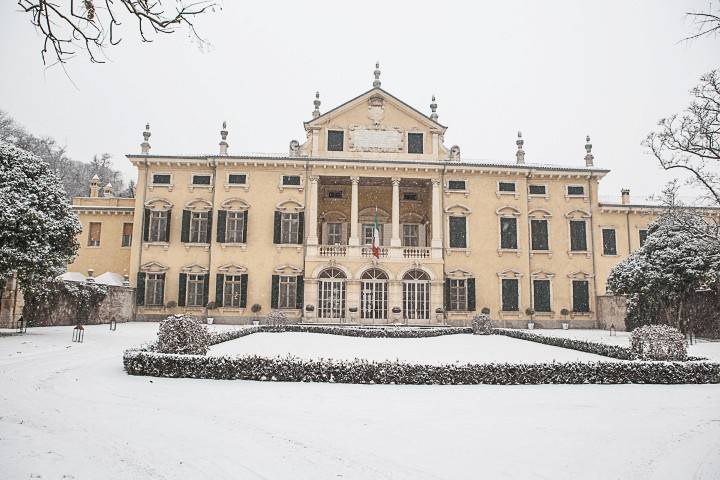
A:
x: 72, y: 277
x: 110, y: 278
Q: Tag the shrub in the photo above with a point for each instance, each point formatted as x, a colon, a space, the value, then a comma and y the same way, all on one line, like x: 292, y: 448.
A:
x: 658, y: 342
x: 277, y: 318
x: 485, y: 310
x: 184, y: 335
x: 481, y: 324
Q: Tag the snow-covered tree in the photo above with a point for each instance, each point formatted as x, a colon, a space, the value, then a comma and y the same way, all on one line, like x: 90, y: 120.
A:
x: 37, y: 228
x: 662, y: 278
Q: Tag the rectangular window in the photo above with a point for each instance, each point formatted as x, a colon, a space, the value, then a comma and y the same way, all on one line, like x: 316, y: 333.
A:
x: 367, y: 233
x: 335, y: 140
x: 235, y: 227
x: 334, y: 233
x: 458, y: 295
x: 161, y: 179
x: 154, y: 289
x: 539, y: 235
x: 458, y: 233
x: 581, y: 296
x: 94, y: 234
x: 643, y: 237
x: 411, y: 235
x: 411, y: 196
x: 537, y: 189
x: 127, y: 235
x: 287, y: 294
x: 576, y: 190
x: 578, y: 236
x: 195, y: 290
x: 289, y: 227
x: 506, y: 186
x: 198, y: 227
x: 237, y: 179
x: 609, y: 243
x: 508, y: 233
x: 158, y: 226
x: 510, y: 295
x: 541, y: 295
x: 201, y: 179
x: 415, y: 143
x: 292, y: 180
x: 457, y: 185
x: 335, y: 194
x: 232, y: 291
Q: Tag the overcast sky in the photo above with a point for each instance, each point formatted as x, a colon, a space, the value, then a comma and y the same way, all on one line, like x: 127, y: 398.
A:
x: 555, y: 70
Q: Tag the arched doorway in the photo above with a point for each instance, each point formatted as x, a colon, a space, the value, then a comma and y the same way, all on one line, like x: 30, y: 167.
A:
x: 374, y: 295
x: 331, y: 294
x: 416, y: 295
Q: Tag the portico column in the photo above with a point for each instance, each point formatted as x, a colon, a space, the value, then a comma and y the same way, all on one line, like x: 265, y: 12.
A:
x: 436, y: 215
x: 354, y: 240
x: 312, y: 238
x: 395, y: 239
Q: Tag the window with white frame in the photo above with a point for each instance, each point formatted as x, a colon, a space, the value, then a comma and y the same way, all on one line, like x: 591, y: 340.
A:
x: 198, y: 227
x: 578, y: 235
x: 367, y: 233
x: 235, y: 227
x: 457, y: 185
x: 609, y: 241
x: 539, y: 234
x: 195, y: 290
x: 541, y: 295
x: 415, y: 142
x: 232, y: 291
x: 154, y: 289
x: 506, y: 187
x: 127, y: 232
x: 575, y: 190
x: 510, y: 295
x: 161, y: 179
x: 458, y: 295
x: 458, y: 232
x: 289, y: 227
x: 201, y: 179
x: 158, y: 226
x: 335, y: 140
x: 334, y: 233
x: 287, y: 293
x: 508, y: 233
x: 94, y: 234
x: 411, y: 235
x: 291, y: 180
x: 237, y: 178
x: 581, y: 296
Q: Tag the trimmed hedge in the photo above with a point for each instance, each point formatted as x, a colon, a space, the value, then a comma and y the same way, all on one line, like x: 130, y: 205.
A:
x: 289, y: 369
x: 365, y: 332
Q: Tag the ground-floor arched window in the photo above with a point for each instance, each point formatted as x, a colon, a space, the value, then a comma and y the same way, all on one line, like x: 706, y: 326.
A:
x: 416, y: 295
x: 374, y: 295
x: 331, y: 294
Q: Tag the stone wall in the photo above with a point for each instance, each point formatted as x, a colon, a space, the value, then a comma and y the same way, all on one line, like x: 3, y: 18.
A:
x: 611, y: 311
x: 8, y: 297
x: 118, y: 304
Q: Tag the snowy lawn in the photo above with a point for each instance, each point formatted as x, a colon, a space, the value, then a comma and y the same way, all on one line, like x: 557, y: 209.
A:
x: 70, y: 411
x: 703, y: 348
x: 432, y: 351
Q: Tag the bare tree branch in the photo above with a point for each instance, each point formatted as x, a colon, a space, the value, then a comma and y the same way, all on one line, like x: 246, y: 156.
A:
x: 707, y: 23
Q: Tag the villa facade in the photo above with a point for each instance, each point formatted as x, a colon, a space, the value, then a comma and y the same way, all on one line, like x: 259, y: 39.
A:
x: 294, y: 231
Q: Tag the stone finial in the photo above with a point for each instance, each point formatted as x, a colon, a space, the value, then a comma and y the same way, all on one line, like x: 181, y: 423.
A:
x: 95, y: 186
x: 126, y: 280
x: 145, y: 146
x: 108, y: 190
x: 520, y: 154
x: 625, y: 196
x: 223, y: 139
x: 433, y: 109
x: 589, y: 157
x: 294, y: 148
x: 376, y: 82
x: 90, y: 278
x: 316, y: 102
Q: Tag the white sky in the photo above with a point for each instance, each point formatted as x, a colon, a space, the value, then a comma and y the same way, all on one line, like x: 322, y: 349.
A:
x: 555, y: 70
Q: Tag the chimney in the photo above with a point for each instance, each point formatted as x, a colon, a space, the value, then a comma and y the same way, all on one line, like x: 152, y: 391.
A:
x: 223, y: 139
x: 520, y: 154
x: 108, y: 190
x: 625, y: 196
x: 94, y: 186
x: 589, y: 157
x: 145, y: 146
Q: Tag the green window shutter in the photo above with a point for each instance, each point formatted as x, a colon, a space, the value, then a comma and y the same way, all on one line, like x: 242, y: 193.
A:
x: 300, y: 292
x: 146, y: 225
x: 206, y: 288
x: 162, y: 288
x: 447, y: 294
x: 275, y: 291
x: 581, y: 296
x: 510, y: 300
x: 208, y: 233
x: 301, y: 228
x: 276, y: 228
x: 219, y: 279
x: 182, y: 285
x: 471, y: 294
x: 541, y: 295
x: 185, y: 232
x: 243, y: 290
x: 140, y: 289
x: 245, y: 226
x: 221, y: 226
x: 167, y: 226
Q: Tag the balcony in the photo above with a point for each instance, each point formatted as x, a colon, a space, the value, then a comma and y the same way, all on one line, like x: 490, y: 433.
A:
x: 366, y: 251
x: 332, y: 250
x: 416, y: 252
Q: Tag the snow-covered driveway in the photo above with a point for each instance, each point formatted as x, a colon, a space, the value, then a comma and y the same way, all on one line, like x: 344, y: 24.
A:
x: 69, y: 411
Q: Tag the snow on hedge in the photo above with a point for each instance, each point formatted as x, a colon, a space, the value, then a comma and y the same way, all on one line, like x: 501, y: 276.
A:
x: 658, y: 342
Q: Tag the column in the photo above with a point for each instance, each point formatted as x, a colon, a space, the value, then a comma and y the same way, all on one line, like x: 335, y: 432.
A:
x: 354, y: 240
x: 312, y: 220
x: 437, y: 215
x: 395, y: 239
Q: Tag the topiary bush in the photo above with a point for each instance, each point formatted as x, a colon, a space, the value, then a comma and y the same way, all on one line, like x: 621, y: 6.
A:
x: 276, y: 318
x: 183, y: 335
x: 658, y: 342
x: 482, y: 325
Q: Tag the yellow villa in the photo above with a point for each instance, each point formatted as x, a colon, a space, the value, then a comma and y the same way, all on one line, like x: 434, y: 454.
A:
x: 228, y: 232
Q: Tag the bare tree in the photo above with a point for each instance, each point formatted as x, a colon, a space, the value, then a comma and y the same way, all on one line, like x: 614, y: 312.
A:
x: 707, y: 22
x: 691, y: 141
x: 92, y: 25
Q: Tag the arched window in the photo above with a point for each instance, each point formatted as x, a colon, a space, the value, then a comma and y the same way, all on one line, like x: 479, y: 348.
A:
x: 331, y: 294
x: 416, y: 295
x: 373, y: 295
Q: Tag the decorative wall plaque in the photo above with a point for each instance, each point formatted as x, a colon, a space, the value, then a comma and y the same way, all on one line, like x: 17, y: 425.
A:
x: 376, y: 139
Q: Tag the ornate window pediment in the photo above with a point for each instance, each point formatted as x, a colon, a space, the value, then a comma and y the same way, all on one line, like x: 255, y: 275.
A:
x: 542, y: 274
x: 367, y: 215
x: 235, y: 204
x: 288, y: 269
x: 510, y: 273
x: 458, y: 210
x: 580, y: 275
x: 232, y: 269
x: 539, y: 213
x: 153, y: 267
x: 412, y: 218
x: 333, y: 216
x: 289, y: 206
x: 578, y: 214
x: 159, y: 204
x: 458, y: 273
x: 194, y: 268
x: 198, y: 205
x: 508, y: 211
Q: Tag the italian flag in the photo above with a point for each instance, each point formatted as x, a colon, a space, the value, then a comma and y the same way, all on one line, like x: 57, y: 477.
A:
x: 376, y: 237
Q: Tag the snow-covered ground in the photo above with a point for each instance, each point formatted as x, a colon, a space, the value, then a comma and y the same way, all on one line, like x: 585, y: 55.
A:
x: 702, y: 348
x: 69, y: 411
x: 433, y: 350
